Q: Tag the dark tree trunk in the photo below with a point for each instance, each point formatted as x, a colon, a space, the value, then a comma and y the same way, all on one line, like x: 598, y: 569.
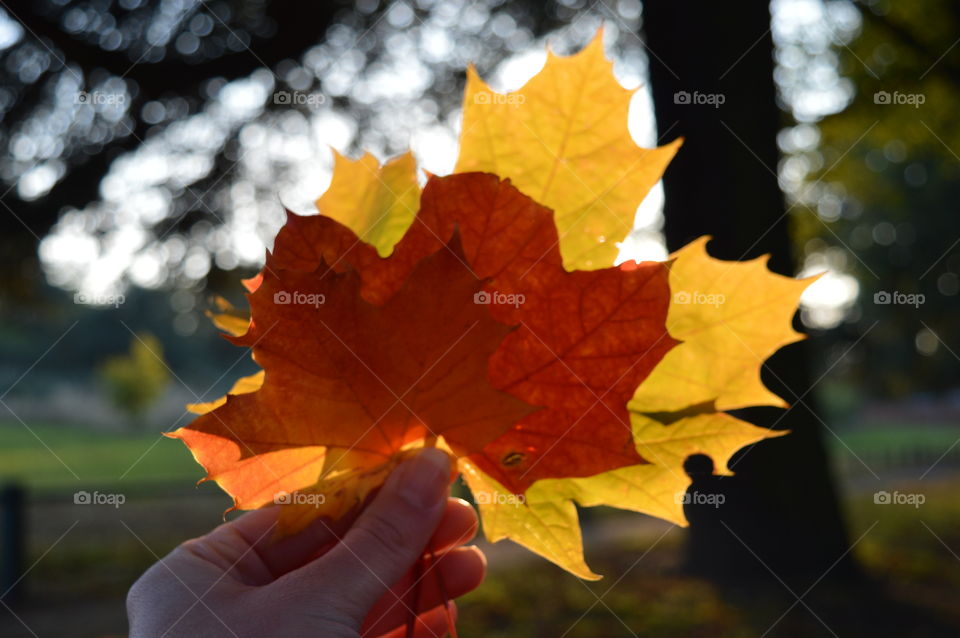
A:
x: 781, y: 506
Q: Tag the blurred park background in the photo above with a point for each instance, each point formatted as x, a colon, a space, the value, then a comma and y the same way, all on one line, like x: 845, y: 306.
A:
x: 149, y: 149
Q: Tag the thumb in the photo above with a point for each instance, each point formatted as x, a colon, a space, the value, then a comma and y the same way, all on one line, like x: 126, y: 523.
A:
x: 387, y: 538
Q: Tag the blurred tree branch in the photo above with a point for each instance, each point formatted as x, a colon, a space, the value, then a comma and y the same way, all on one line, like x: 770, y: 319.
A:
x: 941, y: 64
x: 296, y: 32
x: 21, y: 221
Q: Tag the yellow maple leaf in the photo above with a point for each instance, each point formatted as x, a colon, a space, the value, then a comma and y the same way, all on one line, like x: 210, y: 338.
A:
x: 648, y: 489
x: 714, y: 434
x: 730, y: 317
x: 229, y: 318
x: 537, y: 519
x: 544, y: 518
x: 376, y: 202
x: 563, y: 140
x: 242, y: 385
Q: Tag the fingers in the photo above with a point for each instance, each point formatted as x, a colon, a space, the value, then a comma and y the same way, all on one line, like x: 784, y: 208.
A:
x: 274, y: 557
x: 230, y: 545
x: 432, y: 624
x: 384, y: 542
x: 283, y: 555
x: 445, y: 578
x: 458, y: 526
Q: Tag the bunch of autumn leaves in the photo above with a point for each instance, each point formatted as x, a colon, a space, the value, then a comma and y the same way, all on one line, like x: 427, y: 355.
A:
x: 483, y: 314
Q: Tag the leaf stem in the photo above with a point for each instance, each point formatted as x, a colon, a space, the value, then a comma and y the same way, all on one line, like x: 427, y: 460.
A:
x: 451, y: 623
x: 415, y: 595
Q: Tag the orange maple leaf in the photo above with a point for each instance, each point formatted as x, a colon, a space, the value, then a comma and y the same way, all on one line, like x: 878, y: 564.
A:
x: 471, y: 330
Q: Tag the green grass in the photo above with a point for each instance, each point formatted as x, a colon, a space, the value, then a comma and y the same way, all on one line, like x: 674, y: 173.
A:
x: 54, y: 456
x: 879, y: 447
x: 882, y: 437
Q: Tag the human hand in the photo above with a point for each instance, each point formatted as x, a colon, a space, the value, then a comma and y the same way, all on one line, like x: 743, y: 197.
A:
x: 344, y: 579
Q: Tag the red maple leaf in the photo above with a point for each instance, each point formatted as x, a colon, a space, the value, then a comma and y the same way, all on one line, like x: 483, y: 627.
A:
x: 470, y: 330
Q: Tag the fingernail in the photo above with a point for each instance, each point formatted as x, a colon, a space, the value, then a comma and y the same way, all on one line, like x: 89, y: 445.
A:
x: 422, y: 480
